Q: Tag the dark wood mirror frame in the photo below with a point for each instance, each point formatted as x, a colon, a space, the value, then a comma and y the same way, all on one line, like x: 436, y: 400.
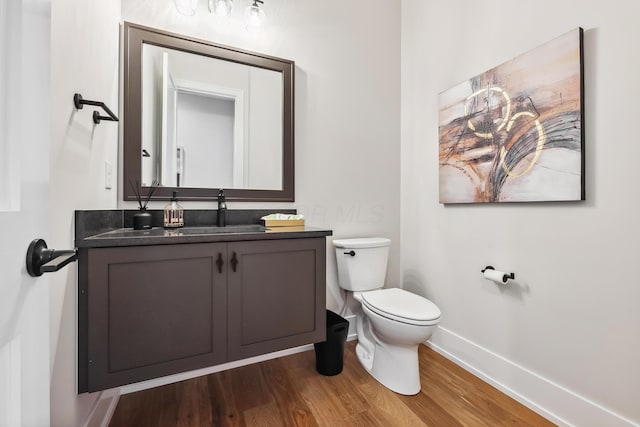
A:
x: 134, y: 37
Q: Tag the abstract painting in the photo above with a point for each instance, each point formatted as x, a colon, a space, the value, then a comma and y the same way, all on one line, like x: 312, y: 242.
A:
x: 515, y: 133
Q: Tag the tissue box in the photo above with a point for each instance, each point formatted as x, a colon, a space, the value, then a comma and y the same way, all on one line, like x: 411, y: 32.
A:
x: 283, y: 220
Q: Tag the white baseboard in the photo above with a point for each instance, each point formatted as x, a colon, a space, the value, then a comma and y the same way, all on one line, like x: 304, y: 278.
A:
x: 156, y: 382
x: 352, y: 334
x: 144, y: 385
x: 103, y: 409
x: 553, y: 401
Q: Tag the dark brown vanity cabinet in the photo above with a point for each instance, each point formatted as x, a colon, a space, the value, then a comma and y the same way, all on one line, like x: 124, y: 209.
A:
x: 276, y: 294
x: 150, y: 311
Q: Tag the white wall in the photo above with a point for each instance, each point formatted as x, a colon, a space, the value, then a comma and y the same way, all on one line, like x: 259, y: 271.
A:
x: 347, y: 110
x: 84, y: 59
x: 565, y: 337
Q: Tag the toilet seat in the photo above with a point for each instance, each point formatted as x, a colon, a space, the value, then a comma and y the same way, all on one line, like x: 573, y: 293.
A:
x: 402, y: 306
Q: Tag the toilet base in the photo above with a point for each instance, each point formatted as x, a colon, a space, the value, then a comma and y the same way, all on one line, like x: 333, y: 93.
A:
x: 366, y: 359
x: 395, y: 367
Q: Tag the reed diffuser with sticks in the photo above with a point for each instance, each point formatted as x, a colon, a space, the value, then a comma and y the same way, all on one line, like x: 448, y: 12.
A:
x: 142, y: 220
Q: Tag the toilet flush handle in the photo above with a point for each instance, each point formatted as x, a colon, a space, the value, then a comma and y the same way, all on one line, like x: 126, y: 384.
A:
x: 352, y: 253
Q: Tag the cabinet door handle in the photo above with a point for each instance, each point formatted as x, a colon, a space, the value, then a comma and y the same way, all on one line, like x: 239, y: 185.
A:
x: 219, y: 263
x: 234, y: 262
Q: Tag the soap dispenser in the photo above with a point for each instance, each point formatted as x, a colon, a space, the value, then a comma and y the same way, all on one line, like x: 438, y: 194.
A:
x: 222, y: 210
x: 173, y: 213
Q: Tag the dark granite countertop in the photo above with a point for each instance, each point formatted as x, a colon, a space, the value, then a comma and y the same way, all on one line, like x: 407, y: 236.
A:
x: 161, y: 236
x: 102, y: 229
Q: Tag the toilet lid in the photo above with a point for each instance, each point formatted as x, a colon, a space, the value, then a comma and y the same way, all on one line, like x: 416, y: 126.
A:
x: 398, y: 304
x: 363, y: 242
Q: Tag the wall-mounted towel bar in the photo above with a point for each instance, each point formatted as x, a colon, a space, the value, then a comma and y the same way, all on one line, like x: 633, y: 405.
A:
x: 79, y: 102
x: 42, y: 260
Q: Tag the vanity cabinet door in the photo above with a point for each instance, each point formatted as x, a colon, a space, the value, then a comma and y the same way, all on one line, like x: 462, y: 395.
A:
x: 151, y: 311
x: 276, y: 292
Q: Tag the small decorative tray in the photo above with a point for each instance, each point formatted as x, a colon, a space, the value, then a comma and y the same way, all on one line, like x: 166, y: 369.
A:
x: 283, y: 220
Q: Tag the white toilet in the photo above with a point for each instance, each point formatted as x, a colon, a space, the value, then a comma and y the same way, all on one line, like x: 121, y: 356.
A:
x: 392, y: 322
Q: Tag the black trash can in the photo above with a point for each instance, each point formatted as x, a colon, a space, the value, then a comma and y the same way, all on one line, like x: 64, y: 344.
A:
x: 330, y: 353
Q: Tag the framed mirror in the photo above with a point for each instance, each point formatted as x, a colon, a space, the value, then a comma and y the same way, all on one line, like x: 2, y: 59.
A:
x: 199, y: 117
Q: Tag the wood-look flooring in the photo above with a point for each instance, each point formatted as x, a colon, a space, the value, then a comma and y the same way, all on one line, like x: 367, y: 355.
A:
x: 288, y: 391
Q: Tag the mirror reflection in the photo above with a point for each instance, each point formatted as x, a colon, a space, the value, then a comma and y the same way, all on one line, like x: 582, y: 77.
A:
x: 209, y: 123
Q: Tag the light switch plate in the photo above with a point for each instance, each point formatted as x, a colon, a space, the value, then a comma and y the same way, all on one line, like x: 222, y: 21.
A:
x: 108, y: 175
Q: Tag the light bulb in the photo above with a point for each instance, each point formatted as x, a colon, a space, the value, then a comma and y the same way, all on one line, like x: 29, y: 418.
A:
x: 187, y: 7
x: 221, y: 7
x: 254, y: 16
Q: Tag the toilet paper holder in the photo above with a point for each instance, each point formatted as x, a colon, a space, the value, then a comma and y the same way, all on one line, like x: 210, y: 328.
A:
x: 504, y: 277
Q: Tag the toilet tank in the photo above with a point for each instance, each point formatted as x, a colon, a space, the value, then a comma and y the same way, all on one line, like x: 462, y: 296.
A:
x: 362, y: 263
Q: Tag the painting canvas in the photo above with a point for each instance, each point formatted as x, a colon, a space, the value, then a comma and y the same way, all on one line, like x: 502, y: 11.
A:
x: 515, y: 133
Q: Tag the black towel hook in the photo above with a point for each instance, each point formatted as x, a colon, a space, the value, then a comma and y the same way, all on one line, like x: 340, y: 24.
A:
x: 79, y: 102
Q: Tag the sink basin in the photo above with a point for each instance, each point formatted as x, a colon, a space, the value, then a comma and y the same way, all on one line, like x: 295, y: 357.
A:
x: 245, y: 228
x: 184, y: 231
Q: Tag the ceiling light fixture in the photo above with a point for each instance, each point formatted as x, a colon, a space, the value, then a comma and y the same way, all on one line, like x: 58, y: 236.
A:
x: 254, y: 15
x: 221, y: 7
x: 187, y: 7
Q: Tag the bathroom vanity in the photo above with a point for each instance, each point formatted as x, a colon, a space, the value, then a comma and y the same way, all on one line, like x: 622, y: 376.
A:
x: 158, y: 302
